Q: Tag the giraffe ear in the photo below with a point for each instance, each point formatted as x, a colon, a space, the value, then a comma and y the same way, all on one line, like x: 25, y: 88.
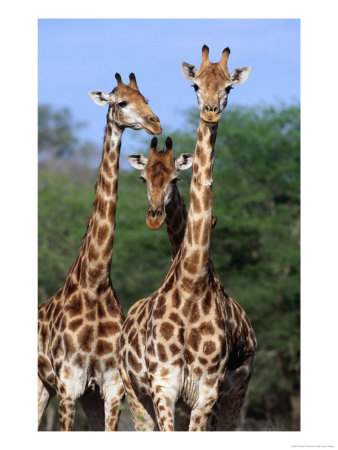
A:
x: 100, y: 98
x: 137, y: 161
x: 238, y: 76
x: 184, y: 161
x: 189, y: 71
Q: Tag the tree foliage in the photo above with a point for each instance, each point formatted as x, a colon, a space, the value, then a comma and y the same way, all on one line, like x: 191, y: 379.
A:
x: 254, y: 247
x: 57, y: 135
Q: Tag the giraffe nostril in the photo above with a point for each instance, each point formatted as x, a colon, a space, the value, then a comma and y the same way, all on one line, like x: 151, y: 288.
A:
x: 210, y: 108
x: 153, y: 119
x: 155, y: 213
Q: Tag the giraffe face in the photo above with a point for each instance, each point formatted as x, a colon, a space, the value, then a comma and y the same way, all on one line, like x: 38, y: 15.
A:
x: 160, y: 173
x: 128, y: 108
x: 212, y: 83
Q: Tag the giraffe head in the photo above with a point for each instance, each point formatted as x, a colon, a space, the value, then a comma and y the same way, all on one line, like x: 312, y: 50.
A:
x: 127, y: 106
x: 212, y: 83
x: 160, y: 172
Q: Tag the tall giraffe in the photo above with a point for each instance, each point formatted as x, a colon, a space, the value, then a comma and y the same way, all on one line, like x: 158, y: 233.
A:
x: 190, y: 340
x: 79, y: 326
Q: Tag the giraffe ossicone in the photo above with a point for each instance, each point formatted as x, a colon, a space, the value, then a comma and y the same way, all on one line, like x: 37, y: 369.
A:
x: 213, y: 82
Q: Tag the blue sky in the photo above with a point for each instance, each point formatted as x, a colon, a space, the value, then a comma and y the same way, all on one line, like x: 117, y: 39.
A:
x: 76, y: 56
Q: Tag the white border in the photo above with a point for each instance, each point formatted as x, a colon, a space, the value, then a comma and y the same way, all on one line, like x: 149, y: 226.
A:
x: 19, y: 213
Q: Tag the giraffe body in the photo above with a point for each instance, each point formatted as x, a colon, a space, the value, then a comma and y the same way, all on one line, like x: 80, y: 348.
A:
x: 189, y: 340
x: 79, y: 326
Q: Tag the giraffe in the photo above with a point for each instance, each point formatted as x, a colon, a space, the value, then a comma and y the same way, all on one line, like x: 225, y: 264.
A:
x: 189, y: 340
x: 79, y: 326
x: 160, y: 173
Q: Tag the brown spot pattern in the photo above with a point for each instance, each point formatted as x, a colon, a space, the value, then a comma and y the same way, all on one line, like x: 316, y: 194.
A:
x: 174, y: 349
x: 160, y: 309
x: 175, y: 301
x: 152, y: 367
x: 103, y: 347
x: 106, y: 329
x: 162, y: 354
x: 209, y: 347
x: 136, y: 366
x: 166, y: 330
x: 194, y: 339
x: 197, y: 230
x: 189, y: 357
x: 74, y: 307
x: 207, y: 328
x: 86, y: 337
x: 194, y: 313
x: 206, y: 305
x: 175, y: 318
x: 68, y: 344
x: 92, y: 253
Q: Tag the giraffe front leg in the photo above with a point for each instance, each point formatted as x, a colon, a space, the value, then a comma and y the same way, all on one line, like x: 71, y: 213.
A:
x: 70, y: 386
x: 43, y: 399
x: 112, y: 411
x: 141, y: 418
x: 66, y: 410
x: 202, y: 414
x: 164, y: 406
x: 213, y: 417
x: 164, y: 396
x: 114, y: 395
x: 165, y: 385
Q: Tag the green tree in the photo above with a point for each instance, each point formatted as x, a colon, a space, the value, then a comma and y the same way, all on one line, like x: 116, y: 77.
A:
x: 57, y: 134
x: 56, y: 131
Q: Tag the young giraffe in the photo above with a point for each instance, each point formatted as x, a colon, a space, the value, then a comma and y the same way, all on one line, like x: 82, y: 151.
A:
x: 189, y: 339
x: 160, y: 173
x: 79, y: 326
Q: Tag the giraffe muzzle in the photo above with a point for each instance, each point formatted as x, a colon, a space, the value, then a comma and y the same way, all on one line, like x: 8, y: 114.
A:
x: 155, y: 218
x: 210, y: 113
x: 153, y: 125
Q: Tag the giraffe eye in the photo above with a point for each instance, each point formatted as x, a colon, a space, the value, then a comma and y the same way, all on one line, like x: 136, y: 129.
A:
x: 195, y: 87
x: 228, y: 89
x: 122, y: 104
x: 175, y: 180
x: 143, y: 179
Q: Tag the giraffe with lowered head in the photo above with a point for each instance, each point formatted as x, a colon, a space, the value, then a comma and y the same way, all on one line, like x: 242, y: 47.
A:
x: 190, y: 340
x: 160, y: 173
x: 79, y: 326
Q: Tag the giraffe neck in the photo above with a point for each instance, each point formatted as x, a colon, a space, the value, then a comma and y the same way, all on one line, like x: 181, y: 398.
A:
x: 176, y: 218
x: 94, y: 260
x: 196, y: 243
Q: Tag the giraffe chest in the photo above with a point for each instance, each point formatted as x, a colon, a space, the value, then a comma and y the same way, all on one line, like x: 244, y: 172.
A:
x: 178, y: 342
x: 79, y: 340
